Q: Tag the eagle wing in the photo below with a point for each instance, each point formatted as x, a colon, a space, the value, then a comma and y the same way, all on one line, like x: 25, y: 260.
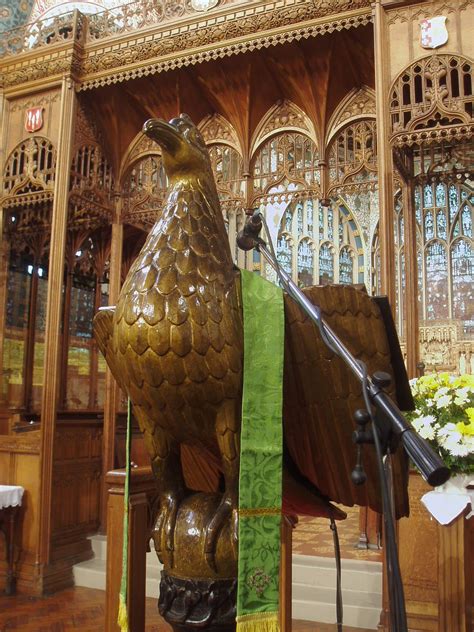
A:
x: 321, y: 395
x: 103, y: 333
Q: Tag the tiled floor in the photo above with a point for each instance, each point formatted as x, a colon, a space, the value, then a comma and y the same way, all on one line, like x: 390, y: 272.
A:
x: 82, y: 609
x: 313, y: 536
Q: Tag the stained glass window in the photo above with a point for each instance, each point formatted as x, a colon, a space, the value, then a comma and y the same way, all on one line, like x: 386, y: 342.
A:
x: 453, y: 201
x: 330, y: 224
x: 346, y: 266
x: 326, y: 265
x: 445, y: 267
x: 436, y: 289
x: 284, y: 253
x: 309, y: 217
x: 441, y: 225
x: 462, y: 271
x: 299, y: 216
x: 305, y: 263
x: 334, y: 251
x: 418, y: 206
x: 466, y: 221
x: 429, y: 226
x: 428, y: 196
x: 441, y: 194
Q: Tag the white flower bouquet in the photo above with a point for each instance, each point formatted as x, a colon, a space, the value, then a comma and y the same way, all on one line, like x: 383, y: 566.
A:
x: 444, y: 416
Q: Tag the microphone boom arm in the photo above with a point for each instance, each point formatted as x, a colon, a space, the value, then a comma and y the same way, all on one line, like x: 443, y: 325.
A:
x: 432, y: 468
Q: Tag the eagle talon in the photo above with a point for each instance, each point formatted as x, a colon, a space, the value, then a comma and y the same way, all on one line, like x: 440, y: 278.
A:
x: 163, y: 532
x: 225, y: 509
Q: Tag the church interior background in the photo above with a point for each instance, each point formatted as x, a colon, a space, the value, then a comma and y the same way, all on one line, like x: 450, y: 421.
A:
x: 351, y: 136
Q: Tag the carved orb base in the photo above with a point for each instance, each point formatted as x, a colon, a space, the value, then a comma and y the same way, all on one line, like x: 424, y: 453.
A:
x: 189, y: 604
x: 194, y: 594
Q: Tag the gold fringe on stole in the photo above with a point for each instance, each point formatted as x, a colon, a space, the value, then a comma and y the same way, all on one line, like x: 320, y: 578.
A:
x: 259, y: 622
x: 122, y: 618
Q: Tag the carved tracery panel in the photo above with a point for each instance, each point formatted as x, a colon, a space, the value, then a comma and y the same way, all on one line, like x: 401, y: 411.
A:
x: 143, y: 190
x: 319, y: 244
x: 91, y: 189
x: 352, y: 164
x: 443, y: 200
x: 284, y: 163
x: 30, y: 167
x: 433, y: 92
x: 227, y: 166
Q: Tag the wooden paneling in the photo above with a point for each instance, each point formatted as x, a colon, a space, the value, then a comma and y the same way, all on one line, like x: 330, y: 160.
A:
x: 76, y: 480
x: 142, y: 493
x: 437, y: 568
x: 19, y: 465
x: 77, y: 465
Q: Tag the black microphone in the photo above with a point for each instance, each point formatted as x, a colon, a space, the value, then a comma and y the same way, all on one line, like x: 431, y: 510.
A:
x: 248, y: 237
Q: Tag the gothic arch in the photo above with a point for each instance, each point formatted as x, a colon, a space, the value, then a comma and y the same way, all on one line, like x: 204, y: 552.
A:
x: 351, y: 154
x: 215, y: 129
x: 359, y: 103
x: 30, y: 167
x: 433, y: 92
x: 140, y: 147
x: 283, y: 116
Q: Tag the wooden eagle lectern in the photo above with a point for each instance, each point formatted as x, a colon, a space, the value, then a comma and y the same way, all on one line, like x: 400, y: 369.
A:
x: 174, y: 343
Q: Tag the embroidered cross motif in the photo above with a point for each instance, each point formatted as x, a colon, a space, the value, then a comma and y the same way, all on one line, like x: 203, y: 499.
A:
x: 258, y: 580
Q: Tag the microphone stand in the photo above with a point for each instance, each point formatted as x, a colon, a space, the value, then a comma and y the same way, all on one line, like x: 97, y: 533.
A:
x: 423, y: 456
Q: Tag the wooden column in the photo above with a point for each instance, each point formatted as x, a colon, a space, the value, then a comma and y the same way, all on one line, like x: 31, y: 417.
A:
x: 65, y: 338
x: 142, y: 490
x: 411, y: 281
x: 456, y: 575
x: 94, y: 355
x: 4, y: 249
x: 53, y: 312
x: 28, y: 358
x: 112, y: 393
x: 384, y: 156
x: 4, y: 261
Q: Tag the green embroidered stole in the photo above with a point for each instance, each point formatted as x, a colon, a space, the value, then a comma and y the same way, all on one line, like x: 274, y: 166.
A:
x: 260, y: 486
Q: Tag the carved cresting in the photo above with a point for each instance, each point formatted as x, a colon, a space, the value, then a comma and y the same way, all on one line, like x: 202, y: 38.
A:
x: 174, y: 343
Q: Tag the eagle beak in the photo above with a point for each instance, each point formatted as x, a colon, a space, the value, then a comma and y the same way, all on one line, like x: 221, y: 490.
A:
x: 166, y: 135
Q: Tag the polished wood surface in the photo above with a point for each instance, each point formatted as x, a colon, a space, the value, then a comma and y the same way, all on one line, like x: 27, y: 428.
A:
x: 76, y: 490
x: 142, y: 493
x: 9, y: 526
x: 83, y: 609
x: 436, y: 563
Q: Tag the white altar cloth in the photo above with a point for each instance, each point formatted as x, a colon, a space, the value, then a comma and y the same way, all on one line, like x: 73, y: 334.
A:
x: 10, y: 495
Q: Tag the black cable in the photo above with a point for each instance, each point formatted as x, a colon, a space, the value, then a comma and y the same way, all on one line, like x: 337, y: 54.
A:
x: 337, y: 555
x: 395, y: 585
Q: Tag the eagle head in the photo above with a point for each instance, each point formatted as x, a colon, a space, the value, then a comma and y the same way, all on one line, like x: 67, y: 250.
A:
x: 184, y: 152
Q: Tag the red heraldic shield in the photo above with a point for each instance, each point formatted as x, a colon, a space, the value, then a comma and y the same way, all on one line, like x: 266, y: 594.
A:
x: 34, y: 119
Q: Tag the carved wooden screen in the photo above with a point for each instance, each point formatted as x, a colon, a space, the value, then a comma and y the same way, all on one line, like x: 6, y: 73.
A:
x: 86, y: 290
x: 352, y: 162
x: 144, y: 189
x: 318, y: 244
x: 399, y: 256
x: 27, y: 188
x: 286, y: 170
x: 286, y: 162
x: 434, y: 91
x: 443, y: 205
x: 227, y: 166
x: 30, y: 167
x: 444, y: 212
